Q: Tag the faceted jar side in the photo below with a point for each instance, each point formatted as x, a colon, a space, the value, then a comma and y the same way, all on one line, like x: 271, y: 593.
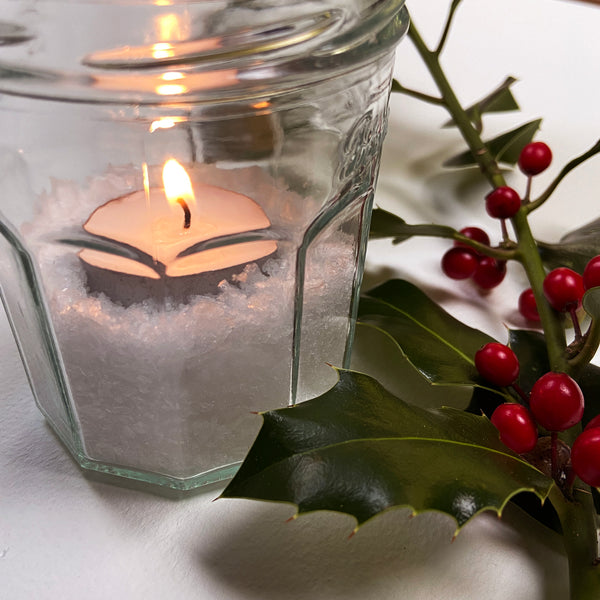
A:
x: 172, y: 267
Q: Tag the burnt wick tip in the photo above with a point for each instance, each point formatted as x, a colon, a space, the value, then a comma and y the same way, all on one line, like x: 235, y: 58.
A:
x: 187, y: 215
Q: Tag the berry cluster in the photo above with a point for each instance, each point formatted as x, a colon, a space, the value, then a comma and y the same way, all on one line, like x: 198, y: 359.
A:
x: 556, y: 403
x: 463, y: 262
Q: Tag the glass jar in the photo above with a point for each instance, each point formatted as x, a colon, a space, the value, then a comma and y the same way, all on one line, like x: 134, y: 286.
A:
x: 185, y: 194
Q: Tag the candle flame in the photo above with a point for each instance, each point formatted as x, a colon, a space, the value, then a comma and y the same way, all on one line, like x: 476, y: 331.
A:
x: 177, y: 183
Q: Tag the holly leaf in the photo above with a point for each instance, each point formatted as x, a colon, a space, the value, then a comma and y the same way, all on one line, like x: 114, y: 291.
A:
x: 357, y: 449
x: 385, y: 224
x: 504, y: 148
x: 439, y: 346
x: 575, y: 248
x: 499, y: 100
x: 530, y: 348
x: 591, y: 302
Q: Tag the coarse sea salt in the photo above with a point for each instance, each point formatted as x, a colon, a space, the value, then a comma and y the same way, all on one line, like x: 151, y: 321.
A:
x: 172, y: 390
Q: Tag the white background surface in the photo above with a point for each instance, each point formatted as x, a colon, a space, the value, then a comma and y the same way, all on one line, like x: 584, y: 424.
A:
x: 65, y: 537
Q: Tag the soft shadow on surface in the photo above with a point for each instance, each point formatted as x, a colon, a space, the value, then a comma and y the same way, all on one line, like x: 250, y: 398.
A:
x: 313, y: 557
x: 392, y: 556
x: 412, y: 164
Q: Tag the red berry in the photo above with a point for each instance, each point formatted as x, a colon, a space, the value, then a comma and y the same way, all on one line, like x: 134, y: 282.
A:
x: 591, y: 273
x: 497, y: 363
x: 585, y: 456
x: 564, y: 289
x: 459, y: 263
x: 535, y: 158
x: 556, y: 401
x: 595, y: 422
x: 473, y: 233
x: 516, y: 427
x: 528, y: 305
x: 502, y: 203
x: 489, y: 273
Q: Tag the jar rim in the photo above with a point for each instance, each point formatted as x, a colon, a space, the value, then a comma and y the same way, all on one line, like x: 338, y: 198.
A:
x: 278, y: 50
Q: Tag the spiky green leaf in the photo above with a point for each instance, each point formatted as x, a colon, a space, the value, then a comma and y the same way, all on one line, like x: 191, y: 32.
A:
x: 357, y: 449
x: 439, y: 346
x: 575, y: 248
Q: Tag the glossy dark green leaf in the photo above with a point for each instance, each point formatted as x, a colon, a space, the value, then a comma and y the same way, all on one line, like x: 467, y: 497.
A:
x: 439, y: 346
x: 499, y: 100
x: 589, y: 381
x: 591, y: 302
x: 573, y: 256
x: 385, y: 224
x: 530, y: 348
x: 358, y: 449
x: 378, y: 355
x: 504, y: 148
x: 575, y: 248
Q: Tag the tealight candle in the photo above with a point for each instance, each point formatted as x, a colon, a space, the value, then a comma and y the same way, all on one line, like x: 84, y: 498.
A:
x: 161, y: 226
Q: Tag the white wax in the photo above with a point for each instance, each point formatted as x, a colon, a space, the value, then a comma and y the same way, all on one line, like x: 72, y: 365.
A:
x: 152, y: 225
x: 173, y: 391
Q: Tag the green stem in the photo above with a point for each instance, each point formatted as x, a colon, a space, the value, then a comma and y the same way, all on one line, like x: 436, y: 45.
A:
x: 578, y: 520
x: 498, y: 253
x: 527, y: 248
x: 554, y: 332
x: 488, y: 165
x: 398, y: 87
x: 451, y: 14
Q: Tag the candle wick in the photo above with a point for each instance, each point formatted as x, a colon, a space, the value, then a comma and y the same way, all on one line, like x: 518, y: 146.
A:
x: 187, y: 215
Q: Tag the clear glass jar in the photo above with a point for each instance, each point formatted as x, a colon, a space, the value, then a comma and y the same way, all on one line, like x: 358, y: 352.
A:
x: 157, y: 307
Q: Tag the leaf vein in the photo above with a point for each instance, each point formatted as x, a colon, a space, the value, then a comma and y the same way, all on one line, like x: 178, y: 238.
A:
x: 428, y: 330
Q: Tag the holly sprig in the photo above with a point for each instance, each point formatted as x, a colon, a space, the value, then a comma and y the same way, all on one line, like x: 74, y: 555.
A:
x: 360, y: 450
